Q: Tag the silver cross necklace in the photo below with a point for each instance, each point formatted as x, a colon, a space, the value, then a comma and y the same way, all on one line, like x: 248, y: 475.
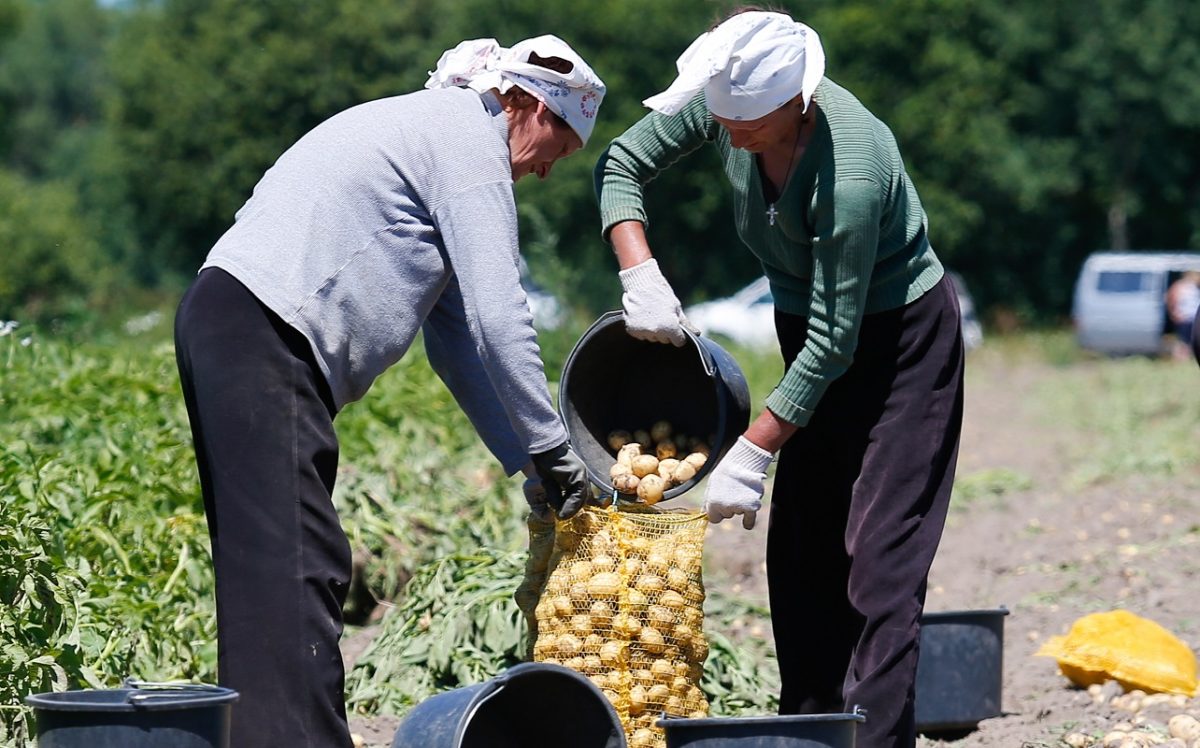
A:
x: 771, y: 211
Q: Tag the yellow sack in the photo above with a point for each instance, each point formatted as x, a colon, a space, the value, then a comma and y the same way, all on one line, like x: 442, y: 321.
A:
x: 624, y: 605
x: 1134, y: 651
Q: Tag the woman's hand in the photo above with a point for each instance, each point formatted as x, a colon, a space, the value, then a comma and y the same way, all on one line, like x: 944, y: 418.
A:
x: 652, y: 310
x: 736, y: 485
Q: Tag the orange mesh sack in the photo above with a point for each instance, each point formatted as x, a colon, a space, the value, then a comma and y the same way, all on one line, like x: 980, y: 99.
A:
x: 1118, y: 645
x: 624, y: 605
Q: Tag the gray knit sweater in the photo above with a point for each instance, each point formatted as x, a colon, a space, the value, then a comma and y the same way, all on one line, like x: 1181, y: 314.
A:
x: 390, y: 217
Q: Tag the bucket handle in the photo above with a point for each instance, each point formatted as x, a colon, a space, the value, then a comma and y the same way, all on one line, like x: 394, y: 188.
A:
x: 159, y: 689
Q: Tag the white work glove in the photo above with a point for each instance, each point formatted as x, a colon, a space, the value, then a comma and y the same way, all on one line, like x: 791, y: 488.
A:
x: 735, y: 486
x: 652, y: 310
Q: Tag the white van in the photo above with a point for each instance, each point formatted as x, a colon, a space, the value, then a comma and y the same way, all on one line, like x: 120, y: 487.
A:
x: 1119, y: 304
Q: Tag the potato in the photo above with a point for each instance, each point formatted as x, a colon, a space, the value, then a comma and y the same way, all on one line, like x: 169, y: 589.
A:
x: 637, y: 700
x: 696, y: 460
x: 650, y: 638
x: 666, y: 468
x: 626, y: 483
x: 618, y: 439
x: 662, y: 670
x: 614, y: 653
x: 604, y: 584
x: 650, y: 584
x: 683, y: 472
x: 618, y: 469
x: 663, y: 450
x: 658, y: 693
x: 650, y: 488
x: 661, y: 431
x: 644, y: 465
x: 672, y: 599
x: 1184, y: 726
x: 642, y: 437
x: 628, y: 452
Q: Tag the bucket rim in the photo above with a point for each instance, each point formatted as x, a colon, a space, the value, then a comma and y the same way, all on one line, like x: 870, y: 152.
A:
x: 941, y: 615
x: 135, y: 699
x: 778, y: 719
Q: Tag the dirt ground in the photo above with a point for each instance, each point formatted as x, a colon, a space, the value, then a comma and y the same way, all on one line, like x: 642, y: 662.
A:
x: 1049, y: 553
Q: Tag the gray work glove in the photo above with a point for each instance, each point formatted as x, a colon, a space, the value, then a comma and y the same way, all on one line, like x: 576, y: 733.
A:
x: 736, y: 484
x: 564, y: 479
x: 652, y: 310
x: 535, y: 496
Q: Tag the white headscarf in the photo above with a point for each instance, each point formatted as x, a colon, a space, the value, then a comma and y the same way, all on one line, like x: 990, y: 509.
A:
x: 748, y: 67
x: 482, y: 64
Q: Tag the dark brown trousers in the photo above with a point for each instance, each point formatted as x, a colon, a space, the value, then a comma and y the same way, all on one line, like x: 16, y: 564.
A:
x: 262, y: 422
x: 858, y: 506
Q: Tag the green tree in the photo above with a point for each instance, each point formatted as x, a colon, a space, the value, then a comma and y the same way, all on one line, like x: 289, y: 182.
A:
x: 210, y: 93
x: 49, y: 259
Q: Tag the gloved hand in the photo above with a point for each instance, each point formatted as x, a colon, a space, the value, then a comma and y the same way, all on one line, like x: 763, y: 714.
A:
x: 652, y: 311
x: 735, y: 486
x: 564, y: 479
x: 535, y: 496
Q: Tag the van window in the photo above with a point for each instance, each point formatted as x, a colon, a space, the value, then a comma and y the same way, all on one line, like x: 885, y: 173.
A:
x: 1115, y: 281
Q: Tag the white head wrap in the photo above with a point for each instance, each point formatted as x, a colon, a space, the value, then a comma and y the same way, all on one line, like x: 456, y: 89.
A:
x: 748, y: 67
x: 482, y: 64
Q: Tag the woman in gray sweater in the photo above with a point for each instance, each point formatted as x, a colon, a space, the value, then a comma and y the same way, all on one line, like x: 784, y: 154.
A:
x: 392, y: 217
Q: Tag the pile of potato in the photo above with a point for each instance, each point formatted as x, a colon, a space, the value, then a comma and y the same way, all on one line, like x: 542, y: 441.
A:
x: 1181, y: 730
x: 624, y: 607
x: 648, y: 462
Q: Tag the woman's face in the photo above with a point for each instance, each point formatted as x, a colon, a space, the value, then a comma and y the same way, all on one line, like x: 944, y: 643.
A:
x: 779, y: 128
x: 536, y: 139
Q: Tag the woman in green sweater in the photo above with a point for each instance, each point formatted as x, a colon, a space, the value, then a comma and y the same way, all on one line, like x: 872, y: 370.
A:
x: 867, y: 417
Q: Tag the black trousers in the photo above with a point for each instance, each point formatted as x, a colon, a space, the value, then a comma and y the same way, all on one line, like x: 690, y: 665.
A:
x: 262, y: 421
x: 857, y: 511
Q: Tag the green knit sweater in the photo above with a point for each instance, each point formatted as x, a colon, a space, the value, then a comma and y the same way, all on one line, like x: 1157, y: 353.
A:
x: 848, y: 240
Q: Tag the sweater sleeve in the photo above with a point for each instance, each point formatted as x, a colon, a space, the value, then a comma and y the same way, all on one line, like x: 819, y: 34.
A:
x: 479, y: 230
x: 453, y: 356
x: 844, y: 249
x: 637, y: 156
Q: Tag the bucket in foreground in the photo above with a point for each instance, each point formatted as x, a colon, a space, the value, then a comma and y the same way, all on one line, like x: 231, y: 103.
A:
x: 785, y: 731
x: 960, y: 672
x: 532, y: 704
x: 613, y: 381
x: 142, y: 715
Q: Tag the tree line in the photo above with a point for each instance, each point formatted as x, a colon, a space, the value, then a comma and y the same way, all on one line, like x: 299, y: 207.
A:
x: 131, y: 131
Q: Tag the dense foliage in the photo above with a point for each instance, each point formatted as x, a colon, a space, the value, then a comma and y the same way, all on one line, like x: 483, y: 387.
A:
x: 1035, y: 133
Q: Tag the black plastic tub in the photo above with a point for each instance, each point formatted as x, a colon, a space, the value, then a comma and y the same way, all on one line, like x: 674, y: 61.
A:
x: 532, y: 704
x: 960, y: 672
x: 614, y: 381
x: 785, y: 731
x: 143, y: 715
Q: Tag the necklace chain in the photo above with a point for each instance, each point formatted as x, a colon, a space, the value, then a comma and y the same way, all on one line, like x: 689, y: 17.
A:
x: 787, y: 177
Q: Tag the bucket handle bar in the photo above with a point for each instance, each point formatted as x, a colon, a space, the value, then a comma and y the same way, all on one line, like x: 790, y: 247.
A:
x: 161, y: 689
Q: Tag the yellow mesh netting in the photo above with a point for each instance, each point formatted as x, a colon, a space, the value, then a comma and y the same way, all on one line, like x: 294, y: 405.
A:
x: 624, y: 605
x: 1135, y: 651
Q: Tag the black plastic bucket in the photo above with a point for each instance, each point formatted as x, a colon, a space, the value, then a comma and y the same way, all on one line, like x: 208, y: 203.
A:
x: 961, y: 669
x: 531, y: 704
x: 614, y: 381
x: 143, y: 715
x: 785, y: 731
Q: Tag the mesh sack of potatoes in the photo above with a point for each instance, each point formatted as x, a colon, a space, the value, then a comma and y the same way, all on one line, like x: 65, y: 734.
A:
x: 624, y: 605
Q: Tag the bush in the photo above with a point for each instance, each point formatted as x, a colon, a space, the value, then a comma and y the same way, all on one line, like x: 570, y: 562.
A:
x: 50, y: 259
